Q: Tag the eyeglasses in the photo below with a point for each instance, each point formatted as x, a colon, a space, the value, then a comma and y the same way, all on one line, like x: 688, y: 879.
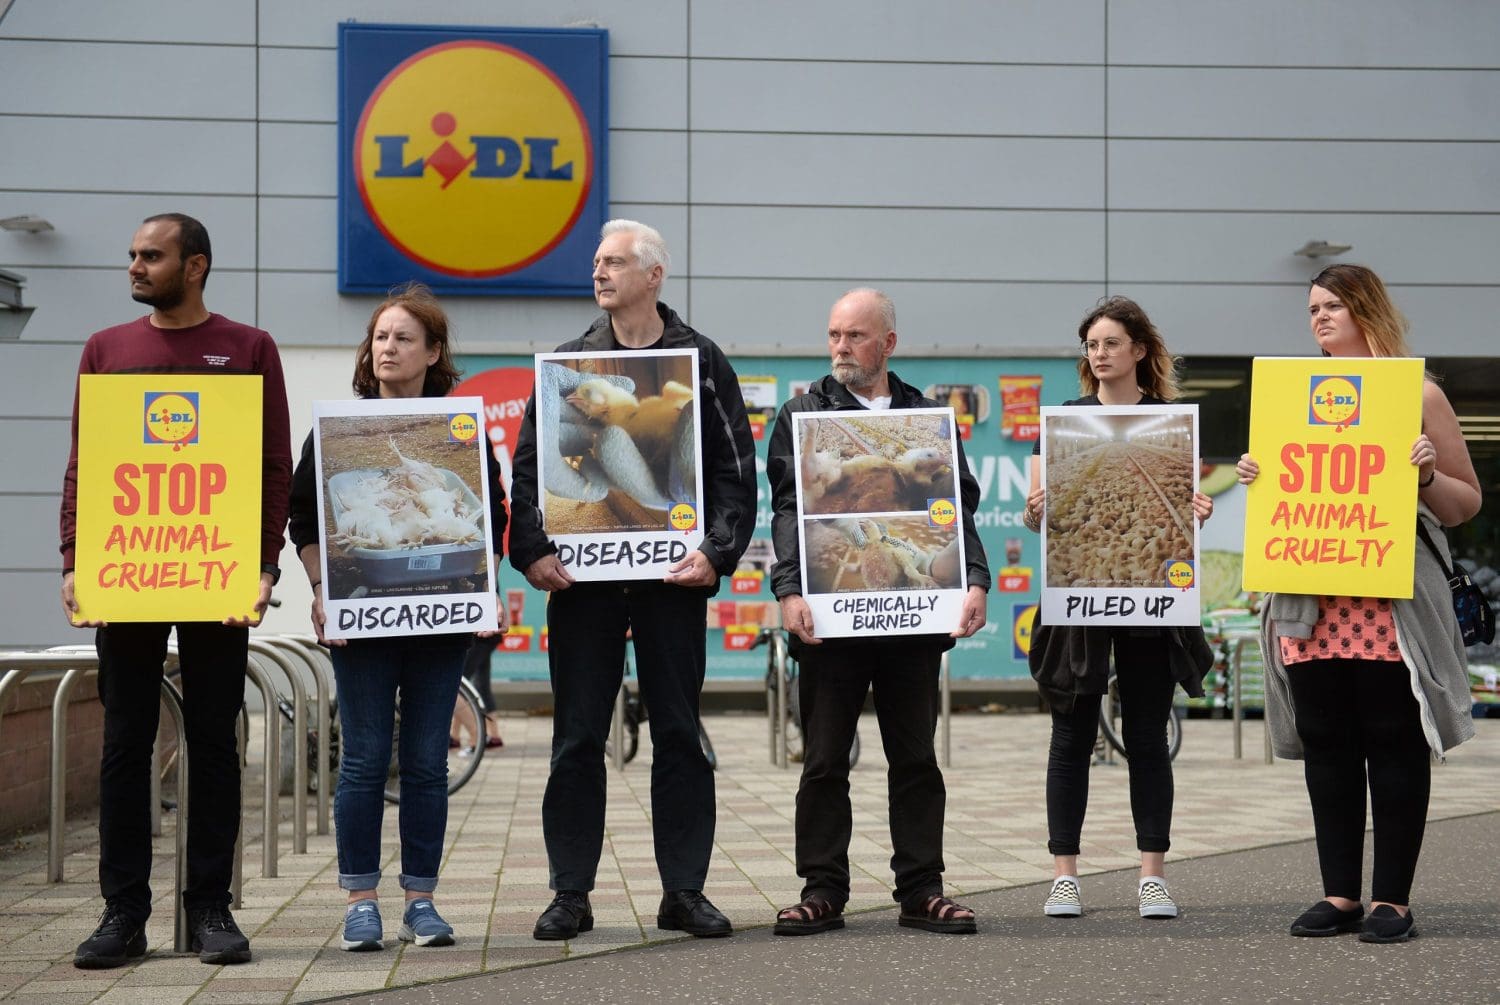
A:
x: 1109, y: 346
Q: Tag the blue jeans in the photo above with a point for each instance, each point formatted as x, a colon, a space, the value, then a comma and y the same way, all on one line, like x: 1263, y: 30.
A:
x: 370, y: 673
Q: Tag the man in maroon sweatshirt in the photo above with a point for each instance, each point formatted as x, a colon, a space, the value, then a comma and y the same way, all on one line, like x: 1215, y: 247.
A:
x: 170, y: 259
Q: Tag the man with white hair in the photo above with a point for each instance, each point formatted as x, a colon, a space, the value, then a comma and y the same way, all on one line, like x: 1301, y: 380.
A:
x: 587, y: 622
x: 835, y: 675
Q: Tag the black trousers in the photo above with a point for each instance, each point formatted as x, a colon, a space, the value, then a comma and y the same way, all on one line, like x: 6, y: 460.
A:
x: 1145, y: 704
x: 1360, y: 727
x: 477, y: 669
x: 832, y: 684
x: 213, y: 690
x: 586, y: 625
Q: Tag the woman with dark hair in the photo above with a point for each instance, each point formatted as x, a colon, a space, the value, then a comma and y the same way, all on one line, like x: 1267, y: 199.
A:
x: 1125, y: 362
x: 1367, y: 690
x: 405, y: 354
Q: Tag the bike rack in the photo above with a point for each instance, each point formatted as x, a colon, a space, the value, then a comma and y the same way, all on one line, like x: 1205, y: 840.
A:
x: 1236, y: 660
x: 322, y: 667
x: 277, y: 655
x: 779, y: 739
x: 237, y: 875
x: 946, y: 689
x: 173, y: 701
x: 300, y: 649
x: 617, y: 730
x: 269, y: 815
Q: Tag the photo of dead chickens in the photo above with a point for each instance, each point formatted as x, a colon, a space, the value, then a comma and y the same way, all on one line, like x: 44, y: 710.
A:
x: 403, y: 506
x: 1119, y: 498
x: 617, y: 439
x: 867, y: 487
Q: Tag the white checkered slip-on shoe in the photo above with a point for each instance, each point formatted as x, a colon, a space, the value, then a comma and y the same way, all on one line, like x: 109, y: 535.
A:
x: 1064, y: 900
x: 1156, y: 902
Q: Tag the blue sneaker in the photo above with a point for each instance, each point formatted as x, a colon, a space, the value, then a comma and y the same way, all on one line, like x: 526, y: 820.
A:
x: 362, y: 927
x: 423, y: 925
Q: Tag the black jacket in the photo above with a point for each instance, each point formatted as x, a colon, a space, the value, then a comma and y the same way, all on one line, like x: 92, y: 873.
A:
x: 828, y: 395
x: 728, y: 452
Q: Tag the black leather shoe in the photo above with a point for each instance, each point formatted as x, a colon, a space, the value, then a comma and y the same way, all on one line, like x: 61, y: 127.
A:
x: 567, y: 916
x: 215, y: 936
x: 689, y: 911
x: 1323, y: 919
x: 1386, y: 924
x: 116, y: 942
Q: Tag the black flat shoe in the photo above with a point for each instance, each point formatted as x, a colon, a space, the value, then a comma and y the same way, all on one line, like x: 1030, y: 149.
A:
x: 117, y: 941
x: 689, y: 911
x: 567, y: 916
x: 1386, y: 924
x: 1323, y: 919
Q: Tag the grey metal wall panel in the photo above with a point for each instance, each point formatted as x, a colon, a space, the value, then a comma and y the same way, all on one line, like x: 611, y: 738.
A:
x: 32, y: 614
x: 1307, y: 176
x: 775, y: 96
x: 648, y: 166
x: 72, y: 304
x: 33, y: 454
x: 298, y: 158
x: 762, y: 315
x: 126, y: 155
x: 299, y: 234
x: 890, y: 244
x: 94, y: 78
x: 647, y: 93
x: 94, y: 230
x: 644, y: 28
x: 1299, y: 33
x: 1033, y: 31
x: 33, y: 551
x: 1257, y: 247
x: 756, y: 169
x: 299, y: 85
x: 143, y: 21
x: 1305, y: 104
x: 37, y: 380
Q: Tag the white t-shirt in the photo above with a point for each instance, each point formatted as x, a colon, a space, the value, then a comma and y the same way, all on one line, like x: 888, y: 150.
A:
x: 874, y: 404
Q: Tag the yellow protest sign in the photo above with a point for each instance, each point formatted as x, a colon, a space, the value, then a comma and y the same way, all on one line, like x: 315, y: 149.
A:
x: 169, y: 472
x: 1334, y: 510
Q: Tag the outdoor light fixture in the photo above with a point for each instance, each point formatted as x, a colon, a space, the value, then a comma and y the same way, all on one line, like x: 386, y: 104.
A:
x: 1312, y: 249
x: 28, y: 222
x: 13, y: 316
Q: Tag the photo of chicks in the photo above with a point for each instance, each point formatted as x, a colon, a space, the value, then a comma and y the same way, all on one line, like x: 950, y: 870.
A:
x: 1119, y: 498
x: 617, y: 439
x: 885, y: 463
x: 860, y: 554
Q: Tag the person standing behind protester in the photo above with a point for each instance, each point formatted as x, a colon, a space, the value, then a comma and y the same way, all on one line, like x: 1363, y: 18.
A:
x: 1368, y: 690
x: 667, y: 619
x: 170, y: 258
x: 1125, y: 362
x: 836, y: 674
x: 406, y: 353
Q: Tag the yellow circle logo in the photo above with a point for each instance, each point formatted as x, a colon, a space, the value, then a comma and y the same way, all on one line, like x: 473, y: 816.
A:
x: 683, y: 516
x: 172, y: 418
x: 1021, y: 632
x: 462, y: 428
x: 1334, y: 402
x: 942, y: 512
x: 473, y: 159
x: 1180, y: 574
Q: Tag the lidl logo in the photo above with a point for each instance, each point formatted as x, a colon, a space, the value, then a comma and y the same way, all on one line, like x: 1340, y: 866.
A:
x: 171, y: 417
x: 462, y: 428
x: 941, y: 512
x: 1022, y: 615
x: 473, y: 159
x: 1334, y: 401
x: 683, y: 516
x: 1180, y: 574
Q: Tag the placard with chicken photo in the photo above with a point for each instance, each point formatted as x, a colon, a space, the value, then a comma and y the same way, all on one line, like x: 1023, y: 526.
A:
x: 880, y: 526
x: 618, y: 460
x: 406, y: 537
x: 1120, y: 542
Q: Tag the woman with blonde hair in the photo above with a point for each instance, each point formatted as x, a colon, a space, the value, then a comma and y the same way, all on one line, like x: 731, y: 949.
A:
x: 1367, y: 690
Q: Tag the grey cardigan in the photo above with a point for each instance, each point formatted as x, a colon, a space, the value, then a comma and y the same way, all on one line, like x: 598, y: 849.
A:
x: 1427, y: 632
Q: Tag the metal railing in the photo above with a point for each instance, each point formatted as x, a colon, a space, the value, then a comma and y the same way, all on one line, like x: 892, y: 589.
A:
x: 277, y: 655
x: 321, y: 668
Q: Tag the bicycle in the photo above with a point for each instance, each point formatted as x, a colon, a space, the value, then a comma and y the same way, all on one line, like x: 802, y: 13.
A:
x: 793, y: 724
x: 1109, y: 721
x: 635, y: 714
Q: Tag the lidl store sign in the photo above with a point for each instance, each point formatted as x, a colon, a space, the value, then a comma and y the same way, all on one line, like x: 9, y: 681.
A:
x: 472, y: 159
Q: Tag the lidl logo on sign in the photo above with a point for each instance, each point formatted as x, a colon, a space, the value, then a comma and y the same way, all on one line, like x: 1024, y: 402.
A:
x: 171, y: 417
x: 1334, y: 402
x: 473, y: 159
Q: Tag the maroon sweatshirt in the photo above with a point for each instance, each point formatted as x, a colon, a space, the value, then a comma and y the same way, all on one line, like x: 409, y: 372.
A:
x: 218, y: 345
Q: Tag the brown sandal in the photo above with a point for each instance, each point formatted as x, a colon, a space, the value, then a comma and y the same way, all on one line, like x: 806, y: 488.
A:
x: 939, y: 914
x: 815, y: 914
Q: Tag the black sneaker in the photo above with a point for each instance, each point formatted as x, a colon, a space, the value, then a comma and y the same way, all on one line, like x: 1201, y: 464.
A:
x: 1386, y: 924
x: 216, y: 938
x: 116, y: 942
